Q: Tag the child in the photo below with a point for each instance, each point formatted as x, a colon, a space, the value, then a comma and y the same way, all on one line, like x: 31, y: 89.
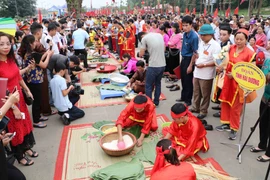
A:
x: 99, y: 47
x: 186, y: 132
x: 60, y: 93
x: 92, y: 35
x: 129, y: 65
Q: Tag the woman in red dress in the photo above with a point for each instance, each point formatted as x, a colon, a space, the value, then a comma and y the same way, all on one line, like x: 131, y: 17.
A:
x: 232, y: 95
x: 167, y: 165
x: 20, y: 121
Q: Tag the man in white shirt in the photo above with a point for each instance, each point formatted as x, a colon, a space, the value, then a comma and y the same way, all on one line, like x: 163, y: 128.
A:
x: 141, y: 23
x: 204, y: 72
x: 79, y: 37
x: 137, y: 24
x: 48, y: 41
x: 60, y: 93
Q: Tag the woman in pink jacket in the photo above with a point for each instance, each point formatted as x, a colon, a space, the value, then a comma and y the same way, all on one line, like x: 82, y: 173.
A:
x: 129, y: 65
x: 175, y: 44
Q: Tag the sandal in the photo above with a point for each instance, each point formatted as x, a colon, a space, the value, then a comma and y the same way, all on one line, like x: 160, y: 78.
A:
x: 39, y: 125
x: 28, y: 162
x: 34, y: 153
x: 255, y: 150
x: 261, y: 159
x: 44, y: 118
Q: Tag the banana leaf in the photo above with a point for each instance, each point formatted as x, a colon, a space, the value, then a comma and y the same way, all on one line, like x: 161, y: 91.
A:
x: 148, y: 152
x: 121, y: 171
x: 110, y: 87
x: 99, y: 77
x: 97, y: 125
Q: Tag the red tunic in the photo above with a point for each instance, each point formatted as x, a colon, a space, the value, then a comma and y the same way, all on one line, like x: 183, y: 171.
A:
x: 147, y: 119
x: 22, y: 127
x: 184, y: 171
x: 188, y: 138
x: 231, y: 88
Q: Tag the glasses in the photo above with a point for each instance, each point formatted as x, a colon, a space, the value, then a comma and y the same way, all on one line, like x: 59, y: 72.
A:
x: 3, y: 44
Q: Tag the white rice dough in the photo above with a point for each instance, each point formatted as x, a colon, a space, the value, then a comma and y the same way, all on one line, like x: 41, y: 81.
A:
x: 113, y: 144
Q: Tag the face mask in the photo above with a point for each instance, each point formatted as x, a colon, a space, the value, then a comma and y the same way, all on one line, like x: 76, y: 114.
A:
x: 14, y: 47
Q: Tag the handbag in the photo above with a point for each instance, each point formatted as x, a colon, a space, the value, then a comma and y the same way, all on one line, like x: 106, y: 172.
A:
x: 28, y: 100
x: 174, y: 53
x: 220, y: 80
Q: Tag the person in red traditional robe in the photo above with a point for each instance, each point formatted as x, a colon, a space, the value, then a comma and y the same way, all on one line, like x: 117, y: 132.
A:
x: 129, y: 40
x: 168, y: 166
x: 186, y: 132
x: 232, y: 96
x: 140, y: 111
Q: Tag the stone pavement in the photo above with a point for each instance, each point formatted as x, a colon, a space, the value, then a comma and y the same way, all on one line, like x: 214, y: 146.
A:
x: 48, y: 140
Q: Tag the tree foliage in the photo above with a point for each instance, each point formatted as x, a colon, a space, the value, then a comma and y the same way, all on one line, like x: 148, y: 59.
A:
x: 24, y: 8
x: 74, y: 6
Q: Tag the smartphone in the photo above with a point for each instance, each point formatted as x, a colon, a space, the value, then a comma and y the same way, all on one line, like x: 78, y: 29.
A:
x: 11, y: 136
x: 3, y: 123
x: 14, y: 90
x: 23, y: 115
x: 7, y: 92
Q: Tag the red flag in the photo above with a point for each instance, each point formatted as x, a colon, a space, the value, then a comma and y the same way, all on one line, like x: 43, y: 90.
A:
x: 39, y: 16
x: 236, y: 10
x: 187, y: 11
x: 216, y: 13
x: 204, y: 12
x: 242, y: 1
x: 194, y: 11
x: 227, y: 12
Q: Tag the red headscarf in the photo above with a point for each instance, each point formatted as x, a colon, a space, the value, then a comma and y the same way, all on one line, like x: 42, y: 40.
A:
x: 186, y: 112
x: 160, y: 159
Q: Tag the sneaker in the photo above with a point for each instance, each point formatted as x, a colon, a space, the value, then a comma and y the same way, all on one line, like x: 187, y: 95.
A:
x: 65, y: 119
x: 223, y: 127
x: 217, y: 115
x: 232, y: 135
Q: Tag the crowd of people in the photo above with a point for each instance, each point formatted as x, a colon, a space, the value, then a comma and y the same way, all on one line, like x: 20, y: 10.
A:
x: 43, y: 59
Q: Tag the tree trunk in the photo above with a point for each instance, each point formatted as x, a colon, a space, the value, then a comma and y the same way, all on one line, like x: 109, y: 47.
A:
x: 201, y: 6
x: 259, y: 7
x: 251, y: 7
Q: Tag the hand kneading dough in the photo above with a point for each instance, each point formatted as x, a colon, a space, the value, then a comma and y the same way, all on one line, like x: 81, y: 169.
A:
x: 113, y: 145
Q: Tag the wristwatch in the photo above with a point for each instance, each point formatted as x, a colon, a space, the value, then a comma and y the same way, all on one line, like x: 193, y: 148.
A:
x: 13, y: 107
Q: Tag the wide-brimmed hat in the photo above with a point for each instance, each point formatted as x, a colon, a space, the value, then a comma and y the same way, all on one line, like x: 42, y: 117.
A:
x: 206, y: 29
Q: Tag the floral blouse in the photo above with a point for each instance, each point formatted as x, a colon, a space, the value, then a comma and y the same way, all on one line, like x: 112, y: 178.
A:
x: 35, y: 75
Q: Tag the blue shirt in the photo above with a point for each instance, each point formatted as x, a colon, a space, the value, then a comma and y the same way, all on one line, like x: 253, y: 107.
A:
x: 58, y: 84
x: 79, y: 36
x: 190, y: 43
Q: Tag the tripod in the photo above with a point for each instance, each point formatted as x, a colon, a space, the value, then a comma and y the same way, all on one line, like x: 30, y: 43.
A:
x: 252, y: 131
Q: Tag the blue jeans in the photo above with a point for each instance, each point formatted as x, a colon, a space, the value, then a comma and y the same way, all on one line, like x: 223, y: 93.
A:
x: 153, y: 78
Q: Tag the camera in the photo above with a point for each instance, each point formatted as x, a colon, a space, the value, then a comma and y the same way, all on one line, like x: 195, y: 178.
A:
x: 145, y: 56
x: 77, y: 89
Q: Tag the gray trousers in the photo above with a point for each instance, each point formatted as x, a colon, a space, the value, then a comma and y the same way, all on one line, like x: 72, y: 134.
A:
x: 201, y: 94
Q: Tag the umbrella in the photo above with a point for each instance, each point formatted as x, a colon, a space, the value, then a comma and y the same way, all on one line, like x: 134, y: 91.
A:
x: 8, y: 25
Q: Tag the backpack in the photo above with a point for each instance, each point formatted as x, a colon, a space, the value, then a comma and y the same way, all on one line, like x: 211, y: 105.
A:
x: 260, y: 58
